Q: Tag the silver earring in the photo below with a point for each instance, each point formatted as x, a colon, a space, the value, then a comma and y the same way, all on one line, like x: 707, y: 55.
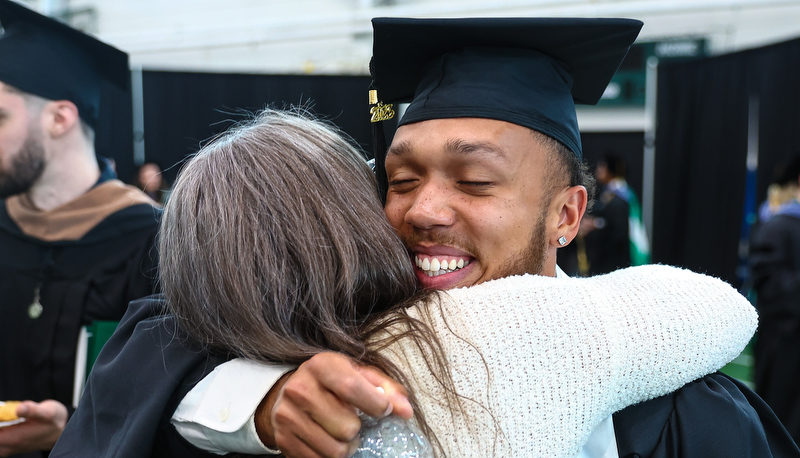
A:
x: 562, y: 240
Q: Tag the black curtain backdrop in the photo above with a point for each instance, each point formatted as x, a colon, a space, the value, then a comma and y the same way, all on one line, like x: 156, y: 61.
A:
x: 778, y: 83
x: 182, y: 110
x: 114, y: 130
x: 701, y: 150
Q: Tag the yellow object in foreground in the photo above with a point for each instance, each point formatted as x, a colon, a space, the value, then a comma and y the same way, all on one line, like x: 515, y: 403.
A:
x: 8, y: 410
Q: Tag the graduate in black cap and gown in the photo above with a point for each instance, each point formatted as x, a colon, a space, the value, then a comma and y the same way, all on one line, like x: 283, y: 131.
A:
x: 523, y: 72
x: 76, y: 243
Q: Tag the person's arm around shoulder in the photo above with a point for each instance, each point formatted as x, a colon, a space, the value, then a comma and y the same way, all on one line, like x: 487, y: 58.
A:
x: 644, y: 331
x: 672, y: 326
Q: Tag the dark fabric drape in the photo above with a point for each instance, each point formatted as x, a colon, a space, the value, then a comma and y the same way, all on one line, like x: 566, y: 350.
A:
x: 114, y: 132
x: 778, y: 82
x: 701, y: 150
x: 182, y: 109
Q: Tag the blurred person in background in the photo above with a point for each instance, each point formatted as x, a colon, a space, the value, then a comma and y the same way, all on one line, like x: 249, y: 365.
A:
x: 775, y: 271
x: 77, y: 243
x: 783, y: 191
x: 151, y: 181
x: 613, y: 233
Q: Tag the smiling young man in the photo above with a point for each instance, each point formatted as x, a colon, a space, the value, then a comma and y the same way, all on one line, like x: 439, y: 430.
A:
x: 475, y: 195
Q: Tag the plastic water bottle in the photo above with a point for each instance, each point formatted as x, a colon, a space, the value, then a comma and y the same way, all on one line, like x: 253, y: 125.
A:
x: 391, y: 437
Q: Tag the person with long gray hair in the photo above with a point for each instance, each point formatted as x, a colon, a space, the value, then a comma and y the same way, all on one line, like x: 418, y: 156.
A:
x: 274, y: 248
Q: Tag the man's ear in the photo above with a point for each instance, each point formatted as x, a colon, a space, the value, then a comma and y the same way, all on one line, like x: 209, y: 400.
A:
x: 570, y: 205
x: 61, y: 116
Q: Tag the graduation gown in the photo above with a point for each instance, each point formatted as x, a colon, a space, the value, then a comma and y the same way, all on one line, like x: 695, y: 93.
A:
x: 715, y: 416
x: 82, y: 261
x: 112, y: 419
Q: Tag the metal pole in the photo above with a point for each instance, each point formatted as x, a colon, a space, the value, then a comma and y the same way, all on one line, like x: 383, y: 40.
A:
x: 649, y: 162
x: 750, y: 207
x: 138, y: 116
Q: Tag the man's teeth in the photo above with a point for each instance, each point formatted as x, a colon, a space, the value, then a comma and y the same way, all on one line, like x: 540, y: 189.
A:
x: 434, y: 266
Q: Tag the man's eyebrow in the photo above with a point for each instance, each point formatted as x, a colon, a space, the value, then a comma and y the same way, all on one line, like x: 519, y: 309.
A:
x: 399, y: 149
x: 470, y: 148
x: 455, y: 146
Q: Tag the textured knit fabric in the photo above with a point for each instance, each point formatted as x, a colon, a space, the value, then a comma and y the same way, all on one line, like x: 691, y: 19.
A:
x: 540, y: 362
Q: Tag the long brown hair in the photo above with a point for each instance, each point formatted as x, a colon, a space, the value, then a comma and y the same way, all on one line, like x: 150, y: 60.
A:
x: 274, y: 247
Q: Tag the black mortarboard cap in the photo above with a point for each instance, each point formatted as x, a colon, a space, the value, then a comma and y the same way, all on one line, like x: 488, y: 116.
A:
x: 45, y: 57
x: 527, y: 71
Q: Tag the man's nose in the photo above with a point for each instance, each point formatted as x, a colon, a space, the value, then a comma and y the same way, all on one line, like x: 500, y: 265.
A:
x: 431, y: 207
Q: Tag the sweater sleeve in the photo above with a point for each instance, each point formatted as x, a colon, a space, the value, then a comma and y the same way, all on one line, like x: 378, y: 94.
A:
x: 671, y: 326
x: 539, y: 362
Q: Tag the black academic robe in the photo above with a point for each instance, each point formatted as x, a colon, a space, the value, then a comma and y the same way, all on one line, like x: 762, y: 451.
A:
x: 91, y: 277
x: 715, y: 416
x: 775, y: 267
x: 141, y: 375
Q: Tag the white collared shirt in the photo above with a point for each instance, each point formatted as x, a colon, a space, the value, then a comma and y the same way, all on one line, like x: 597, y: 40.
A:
x: 602, y: 443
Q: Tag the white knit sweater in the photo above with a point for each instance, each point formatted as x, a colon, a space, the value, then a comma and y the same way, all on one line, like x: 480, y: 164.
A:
x: 542, y: 361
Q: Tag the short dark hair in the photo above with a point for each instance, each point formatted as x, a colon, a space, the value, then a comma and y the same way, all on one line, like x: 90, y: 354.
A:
x: 567, y: 169
x: 788, y: 172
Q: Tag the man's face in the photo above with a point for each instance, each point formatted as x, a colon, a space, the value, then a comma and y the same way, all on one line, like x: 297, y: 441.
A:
x: 466, y: 196
x: 22, y: 157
